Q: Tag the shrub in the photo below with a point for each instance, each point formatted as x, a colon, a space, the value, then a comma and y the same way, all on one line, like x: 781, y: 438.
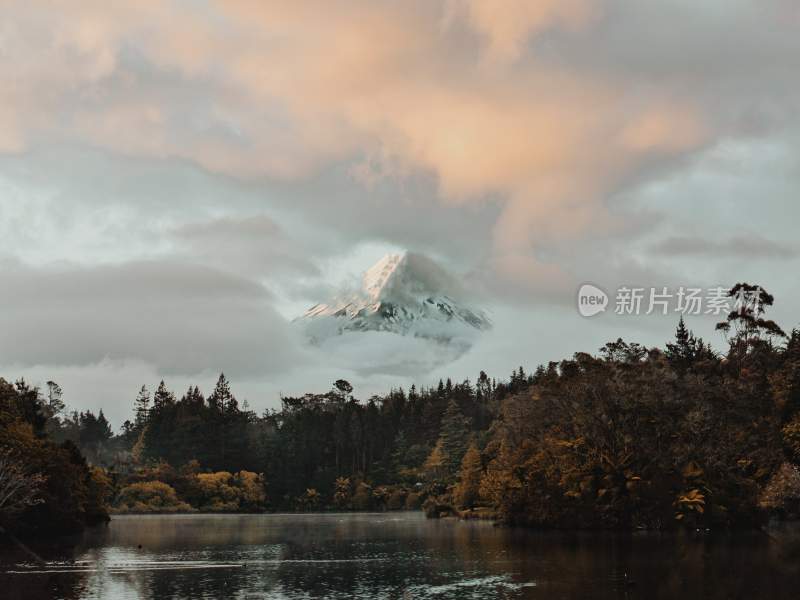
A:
x: 150, y: 496
x: 216, y: 491
x: 252, y: 492
x: 341, y: 494
x: 380, y: 497
x: 309, y: 501
x: 434, y: 508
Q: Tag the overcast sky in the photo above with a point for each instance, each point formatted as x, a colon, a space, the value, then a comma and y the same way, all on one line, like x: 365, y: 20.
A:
x: 181, y: 178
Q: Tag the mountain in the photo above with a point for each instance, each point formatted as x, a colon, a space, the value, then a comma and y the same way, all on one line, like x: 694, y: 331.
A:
x: 406, y: 294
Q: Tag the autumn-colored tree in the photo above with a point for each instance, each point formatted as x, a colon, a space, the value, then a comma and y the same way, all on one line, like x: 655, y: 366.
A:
x: 435, y: 465
x: 19, y: 487
x: 252, y: 490
x: 342, y: 493
x: 467, y: 492
x: 150, y: 496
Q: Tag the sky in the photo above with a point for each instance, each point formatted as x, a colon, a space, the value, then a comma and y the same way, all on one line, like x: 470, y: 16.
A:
x: 180, y: 179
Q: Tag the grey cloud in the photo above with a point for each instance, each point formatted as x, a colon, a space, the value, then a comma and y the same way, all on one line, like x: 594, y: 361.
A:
x: 752, y: 247
x: 184, y: 318
x: 255, y: 244
x: 709, y: 45
x: 371, y: 353
x: 338, y: 212
x: 87, y: 204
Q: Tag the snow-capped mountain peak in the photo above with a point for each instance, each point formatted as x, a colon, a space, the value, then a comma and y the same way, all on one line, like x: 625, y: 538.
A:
x: 380, y: 274
x: 406, y: 294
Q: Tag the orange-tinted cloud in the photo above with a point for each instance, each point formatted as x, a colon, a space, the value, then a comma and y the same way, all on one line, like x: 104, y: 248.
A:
x: 507, y: 25
x: 459, y: 90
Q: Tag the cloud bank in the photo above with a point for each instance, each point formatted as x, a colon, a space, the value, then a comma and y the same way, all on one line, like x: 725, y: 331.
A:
x: 548, y: 107
x: 183, y: 318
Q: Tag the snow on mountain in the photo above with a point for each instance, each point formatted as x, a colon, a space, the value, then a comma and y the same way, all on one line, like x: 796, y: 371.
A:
x: 405, y: 294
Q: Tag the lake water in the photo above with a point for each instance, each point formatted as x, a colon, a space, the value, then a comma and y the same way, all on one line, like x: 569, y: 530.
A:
x: 398, y: 555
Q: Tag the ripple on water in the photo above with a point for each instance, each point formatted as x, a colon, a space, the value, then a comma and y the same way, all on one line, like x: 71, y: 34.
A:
x: 476, y: 587
x: 85, y: 566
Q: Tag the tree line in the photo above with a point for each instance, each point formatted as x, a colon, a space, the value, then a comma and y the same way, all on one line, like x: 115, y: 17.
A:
x: 629, y: 437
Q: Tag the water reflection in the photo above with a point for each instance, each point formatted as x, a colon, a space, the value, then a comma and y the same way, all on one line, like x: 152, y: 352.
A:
x: 399, y: 556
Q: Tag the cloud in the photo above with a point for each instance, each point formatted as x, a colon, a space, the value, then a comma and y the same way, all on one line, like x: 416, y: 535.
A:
x: 371, y: 353
x: 752, y: 247
x: 507, y: 26
x: 546, y: 108
x: 256, y: 245
x: 181, y: 317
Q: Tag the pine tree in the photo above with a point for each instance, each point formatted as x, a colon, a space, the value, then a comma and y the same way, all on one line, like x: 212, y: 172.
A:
x: 454, y: 436
x: 683, y: 352
x: 225, y: 415
x: 104, y: 431
x: 163, y: 397
x: 193, y: 397
x: 142, y: 408
x: 399, y: 456
x: 221, y: 399
x: 412, y: 393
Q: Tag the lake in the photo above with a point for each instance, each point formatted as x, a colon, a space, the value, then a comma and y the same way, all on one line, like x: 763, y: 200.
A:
x: 398, y: 555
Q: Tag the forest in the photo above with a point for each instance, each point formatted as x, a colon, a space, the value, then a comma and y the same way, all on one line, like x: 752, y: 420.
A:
x: 627, y: 438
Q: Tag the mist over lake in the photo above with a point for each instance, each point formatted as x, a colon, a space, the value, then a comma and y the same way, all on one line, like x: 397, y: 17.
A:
x: 399, y: 555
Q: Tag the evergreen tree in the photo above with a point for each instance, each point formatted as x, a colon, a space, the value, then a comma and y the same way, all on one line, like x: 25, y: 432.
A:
x: 142, y: 408
x: 400, y: 455
x: 221, y: 399
x: 163, y: 397
x: 454, y: 436
x: 193, y: 397
x: 104, y: 431
x: 94, y: 433
x: 682, y: 353
x: 229, y: 427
